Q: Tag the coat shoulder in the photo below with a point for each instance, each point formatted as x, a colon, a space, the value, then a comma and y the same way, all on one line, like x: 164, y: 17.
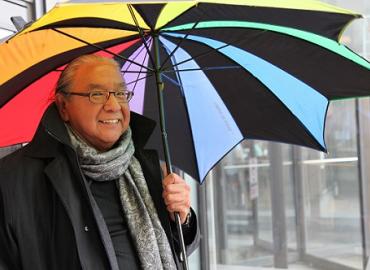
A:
x: 19, y: 174
x: 16, y: 164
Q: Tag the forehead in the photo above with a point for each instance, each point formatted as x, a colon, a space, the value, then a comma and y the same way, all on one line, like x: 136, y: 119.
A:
x: 98, y: 74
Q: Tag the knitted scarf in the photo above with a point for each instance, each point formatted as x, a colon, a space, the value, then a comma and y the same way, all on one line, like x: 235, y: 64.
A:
x: 149, y: 238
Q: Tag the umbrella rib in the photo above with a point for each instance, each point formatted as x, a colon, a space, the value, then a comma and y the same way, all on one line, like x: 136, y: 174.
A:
x: 178, y: 45
x: 136, y: 71
x: 141, y: 34
x: 143, y: 78
x: 197, y: 56
x: 138, y: 75
x: 100, y: 48
x: 203, y: 69
x: 171, y: 80
x: 187, y: 34
x: 128, y: 66
x: 126, y: 71
x: 210, y: 50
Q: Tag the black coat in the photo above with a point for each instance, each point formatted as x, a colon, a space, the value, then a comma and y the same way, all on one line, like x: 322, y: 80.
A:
x: 47, y: 220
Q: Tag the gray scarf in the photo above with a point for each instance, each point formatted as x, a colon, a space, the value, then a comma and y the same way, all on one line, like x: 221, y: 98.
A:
x: 149, y: 238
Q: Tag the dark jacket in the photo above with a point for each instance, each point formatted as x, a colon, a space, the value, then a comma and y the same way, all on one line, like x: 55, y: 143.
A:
x: 47, y: 218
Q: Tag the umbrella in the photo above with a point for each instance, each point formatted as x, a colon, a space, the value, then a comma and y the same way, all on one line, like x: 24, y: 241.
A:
x: 225, y: 70
x: 230, y: 69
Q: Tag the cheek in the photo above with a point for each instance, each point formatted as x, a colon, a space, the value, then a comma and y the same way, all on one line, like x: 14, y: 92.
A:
x: 126, y: 115
x: 85, y: 126
x: 84, y: 120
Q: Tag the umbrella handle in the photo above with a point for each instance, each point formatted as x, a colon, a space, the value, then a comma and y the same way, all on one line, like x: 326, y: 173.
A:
x: 183, y: 258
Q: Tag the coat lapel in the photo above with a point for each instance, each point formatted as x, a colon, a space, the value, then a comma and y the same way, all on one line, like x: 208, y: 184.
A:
x: 68, y: 188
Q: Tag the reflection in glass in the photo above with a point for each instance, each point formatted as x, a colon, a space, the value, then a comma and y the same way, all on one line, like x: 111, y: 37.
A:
x: 241, y: 187
x: 4, y: 33
x: 331, y: 192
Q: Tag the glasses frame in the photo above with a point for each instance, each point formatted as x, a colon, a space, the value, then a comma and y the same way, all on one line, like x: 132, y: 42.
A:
x: 128, y: 94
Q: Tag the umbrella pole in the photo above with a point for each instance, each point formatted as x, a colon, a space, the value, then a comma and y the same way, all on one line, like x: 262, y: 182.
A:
x: 162, y: 122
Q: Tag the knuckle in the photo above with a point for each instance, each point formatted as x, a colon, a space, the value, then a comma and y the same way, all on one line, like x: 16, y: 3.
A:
x: 169, y: 197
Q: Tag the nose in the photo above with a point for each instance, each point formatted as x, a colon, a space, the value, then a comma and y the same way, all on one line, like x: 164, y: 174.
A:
x: 112, y: 104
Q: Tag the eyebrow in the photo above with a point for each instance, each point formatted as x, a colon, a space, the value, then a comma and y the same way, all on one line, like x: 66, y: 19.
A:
x: 94, y: 85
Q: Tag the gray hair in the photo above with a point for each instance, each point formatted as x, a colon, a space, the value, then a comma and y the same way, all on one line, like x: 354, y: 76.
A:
x: 66, y: 77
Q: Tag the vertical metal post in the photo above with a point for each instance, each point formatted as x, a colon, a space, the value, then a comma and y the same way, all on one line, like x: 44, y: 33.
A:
x: 204, y: 227
x: 299, y: 202
x: 221, y: 225
x: 361, y: 186
x: 162, y: 122
x: 279, y: 235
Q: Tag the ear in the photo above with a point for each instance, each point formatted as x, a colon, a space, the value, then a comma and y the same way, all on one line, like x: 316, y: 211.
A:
x: 61, y: 103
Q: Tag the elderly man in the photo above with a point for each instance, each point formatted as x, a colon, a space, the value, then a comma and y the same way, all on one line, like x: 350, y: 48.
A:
x: 85, y: 194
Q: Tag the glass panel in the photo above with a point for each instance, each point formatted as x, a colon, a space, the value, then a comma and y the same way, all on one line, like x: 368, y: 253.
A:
x: 8, y: 10
x: 242, y: 209
x: 331, y: 193
x: 237, y: 236
x: 51, y: 3
x: 4, y: 33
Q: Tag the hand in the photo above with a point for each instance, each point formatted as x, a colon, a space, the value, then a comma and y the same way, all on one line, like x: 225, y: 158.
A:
x: 176, y: 195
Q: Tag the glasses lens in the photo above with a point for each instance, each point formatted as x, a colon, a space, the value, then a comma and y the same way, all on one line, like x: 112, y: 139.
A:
x: 123, y: 96
x: 120, y: 96
x: 98, y: 96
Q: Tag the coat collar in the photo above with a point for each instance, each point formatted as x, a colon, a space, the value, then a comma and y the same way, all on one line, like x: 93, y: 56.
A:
x: 52, y: 128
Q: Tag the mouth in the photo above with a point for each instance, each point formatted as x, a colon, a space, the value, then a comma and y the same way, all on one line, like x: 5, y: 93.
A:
x: 110, y: 121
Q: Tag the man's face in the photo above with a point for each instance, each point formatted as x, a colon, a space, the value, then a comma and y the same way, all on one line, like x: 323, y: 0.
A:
x: 101, y: 125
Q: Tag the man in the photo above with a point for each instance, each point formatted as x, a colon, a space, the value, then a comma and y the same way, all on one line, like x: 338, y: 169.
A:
x: 84, y: 194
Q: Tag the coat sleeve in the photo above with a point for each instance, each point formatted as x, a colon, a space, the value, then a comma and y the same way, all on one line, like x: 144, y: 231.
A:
x: 191, y: 234
x: 8, y: 247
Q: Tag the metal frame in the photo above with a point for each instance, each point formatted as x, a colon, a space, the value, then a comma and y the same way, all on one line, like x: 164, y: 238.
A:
x: 361, y: 184
x: 7, y: 29
x: 203, y: 224
x: 279, y: 233
x: 298, y: 202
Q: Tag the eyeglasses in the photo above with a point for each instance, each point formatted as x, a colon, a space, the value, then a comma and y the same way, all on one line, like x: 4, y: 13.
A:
x: 101, y: 97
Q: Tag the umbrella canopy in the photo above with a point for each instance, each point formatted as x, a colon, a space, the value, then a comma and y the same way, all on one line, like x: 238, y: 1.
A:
x: 229, y: 70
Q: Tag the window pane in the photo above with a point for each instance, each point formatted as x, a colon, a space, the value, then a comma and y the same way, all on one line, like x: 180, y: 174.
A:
x: 331, y: 193
x: 241, y: 194
x: 8, y: 10
x: 4, y: 33
x: 332, y: 213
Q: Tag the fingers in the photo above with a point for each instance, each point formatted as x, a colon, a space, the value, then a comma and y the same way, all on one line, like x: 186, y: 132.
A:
x: 170, y: 179
x: 176, y: 195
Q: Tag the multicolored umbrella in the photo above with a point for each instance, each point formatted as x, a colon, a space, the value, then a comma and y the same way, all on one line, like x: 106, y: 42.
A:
x: 226, y: 69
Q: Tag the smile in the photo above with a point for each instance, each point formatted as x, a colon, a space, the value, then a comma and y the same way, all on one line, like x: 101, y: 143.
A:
x: 115, y: 121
